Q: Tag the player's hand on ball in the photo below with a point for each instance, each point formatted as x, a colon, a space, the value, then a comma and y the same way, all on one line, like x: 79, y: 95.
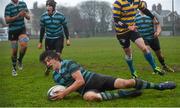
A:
x: 68, y: 42
x: 58, y: 95
x: 40, y: 45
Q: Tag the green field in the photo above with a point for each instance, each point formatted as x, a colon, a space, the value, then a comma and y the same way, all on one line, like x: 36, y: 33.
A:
x: 102, y: 55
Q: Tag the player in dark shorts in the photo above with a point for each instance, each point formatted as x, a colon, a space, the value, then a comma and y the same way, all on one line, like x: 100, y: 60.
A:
x: 150, y: 33
x: 92, y: 86
x: 15, y: 13
x: 124, y: 12
x: 54, y: 27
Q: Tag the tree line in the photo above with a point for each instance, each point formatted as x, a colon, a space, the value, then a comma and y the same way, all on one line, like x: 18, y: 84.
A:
x: 88, y: 18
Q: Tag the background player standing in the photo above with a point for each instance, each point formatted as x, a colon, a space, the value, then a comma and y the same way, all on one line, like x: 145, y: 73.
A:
x: 54, y: 27
x: 150, y: 32
x: 15, y: 12
x: 124, y: 12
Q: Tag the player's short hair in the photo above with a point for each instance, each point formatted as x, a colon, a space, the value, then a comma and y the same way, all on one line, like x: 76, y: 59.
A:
x: 51, y: 3
x: 49, y: 54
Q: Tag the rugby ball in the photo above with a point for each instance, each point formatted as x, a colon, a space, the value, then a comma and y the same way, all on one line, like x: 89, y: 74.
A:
x: 52, y: 90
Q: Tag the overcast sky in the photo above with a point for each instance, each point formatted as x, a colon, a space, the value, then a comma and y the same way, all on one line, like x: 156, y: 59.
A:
x: 166, y: 4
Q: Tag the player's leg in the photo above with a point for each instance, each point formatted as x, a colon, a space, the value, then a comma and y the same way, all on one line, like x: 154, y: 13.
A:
x: 54, y: 44
x: 13, y: 37
x: 147, y: 54
x: 14, y: 46
x: 59, y: 45
x: 162, y: 61
x: 125, y: 43
x: 129, y: 61
x: 23, y: 41
x: 155, y: 45
x: 49, y: 45
x: 100, y: 96
x: 92, y: 96
x: 96, y: 89
x: 142, y: 84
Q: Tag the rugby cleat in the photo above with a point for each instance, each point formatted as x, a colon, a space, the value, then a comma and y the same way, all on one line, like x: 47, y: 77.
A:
x: 20, y: 65
x: 159, y: 71
x: 168, y: 69
x: 134, y: 75
x: 166, y: 85
x: 14, y: 73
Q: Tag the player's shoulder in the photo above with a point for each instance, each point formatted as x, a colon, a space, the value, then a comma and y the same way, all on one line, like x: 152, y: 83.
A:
x: 119, y: 2
x: 68, y: 61
x: 148, y: 17
x: 138, y: 15
x: 22, y: 3
x: 44, y: 14
x: 9, y: 5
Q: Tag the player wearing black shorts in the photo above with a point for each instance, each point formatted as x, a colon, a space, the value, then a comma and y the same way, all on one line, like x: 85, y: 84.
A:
x: 54, y: 27
x: 15, y: 13
x: 150, y: 33
x: 124, y: 12
x: 93, y: 86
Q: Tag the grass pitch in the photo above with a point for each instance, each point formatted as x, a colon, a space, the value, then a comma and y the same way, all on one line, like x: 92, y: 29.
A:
x: 102, y: 55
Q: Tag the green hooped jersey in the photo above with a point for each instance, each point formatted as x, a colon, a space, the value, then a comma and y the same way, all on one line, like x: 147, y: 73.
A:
x: 12, y: 10
x: 63, y: 76
x: 145, y: 26
x: 53, y: 24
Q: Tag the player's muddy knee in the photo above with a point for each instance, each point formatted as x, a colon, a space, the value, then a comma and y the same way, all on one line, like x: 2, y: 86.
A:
x: 91, y: 96
x: 23, y: 40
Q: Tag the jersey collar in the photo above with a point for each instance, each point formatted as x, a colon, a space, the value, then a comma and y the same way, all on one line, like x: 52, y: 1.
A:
x: 15, y: 4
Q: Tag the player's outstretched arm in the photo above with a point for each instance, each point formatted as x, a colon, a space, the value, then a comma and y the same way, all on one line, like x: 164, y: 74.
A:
x: 79, y: 81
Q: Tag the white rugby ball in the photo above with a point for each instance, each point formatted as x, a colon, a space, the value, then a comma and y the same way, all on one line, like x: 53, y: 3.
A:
x: 52, y: 90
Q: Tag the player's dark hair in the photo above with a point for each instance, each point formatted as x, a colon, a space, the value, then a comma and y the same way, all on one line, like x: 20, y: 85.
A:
x: 51, y: 3
x: 49, y: 54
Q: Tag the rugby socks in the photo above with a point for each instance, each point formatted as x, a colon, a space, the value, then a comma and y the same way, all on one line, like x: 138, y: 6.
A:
x: 109, y: 95
x: 14, y: 59
x: 129, y: 61
x: 130, y: 65
x: 21, y: 54
x: 113, y: 95
x: 150, y: 59
x: 161, y: 60
x: 141, y: 84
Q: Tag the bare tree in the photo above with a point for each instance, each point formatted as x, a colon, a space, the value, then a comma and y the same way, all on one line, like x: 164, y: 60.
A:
x: 76, y: 20
x: 96, y: 16
x: 88, y: 14
x: 104, y: 15
x: 37, y: 12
